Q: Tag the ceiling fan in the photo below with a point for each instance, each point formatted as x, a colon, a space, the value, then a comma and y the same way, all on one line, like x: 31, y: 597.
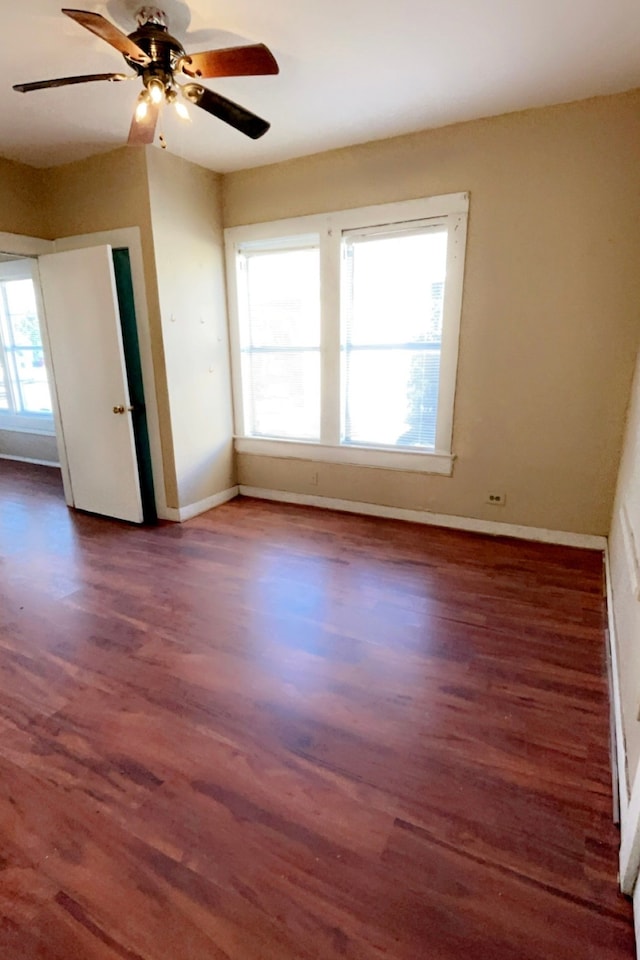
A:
x: 158, y: 58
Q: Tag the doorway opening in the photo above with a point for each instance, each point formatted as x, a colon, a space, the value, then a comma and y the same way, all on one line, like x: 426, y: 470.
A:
x: 32, y: 425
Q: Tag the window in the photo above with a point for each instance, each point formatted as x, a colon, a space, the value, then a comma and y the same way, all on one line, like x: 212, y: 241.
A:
x: 25, y: 400
x: 392, y: 334
x: 345, y: 333
x: 280, y: 338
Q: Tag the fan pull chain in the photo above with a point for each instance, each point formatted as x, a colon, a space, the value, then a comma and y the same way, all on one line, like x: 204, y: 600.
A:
x: 161, y: 137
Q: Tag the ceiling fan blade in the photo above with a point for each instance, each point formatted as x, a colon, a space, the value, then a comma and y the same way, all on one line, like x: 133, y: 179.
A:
x: 253, y: 60
x: 233, y: 114
x: 143, y: 129
x: 107, y: 31
x: 66, y: 81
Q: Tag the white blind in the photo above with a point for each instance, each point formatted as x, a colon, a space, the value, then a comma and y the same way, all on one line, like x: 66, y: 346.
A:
x: 393, y: 295
x: 280, y: 339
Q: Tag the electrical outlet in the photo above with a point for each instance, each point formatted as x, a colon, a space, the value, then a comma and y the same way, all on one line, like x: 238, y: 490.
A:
x: 314, y: 478
x: 496, y: 499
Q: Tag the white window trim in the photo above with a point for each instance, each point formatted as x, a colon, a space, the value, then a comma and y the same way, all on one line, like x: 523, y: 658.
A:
x: 385, y: 458
x: 330, y: 228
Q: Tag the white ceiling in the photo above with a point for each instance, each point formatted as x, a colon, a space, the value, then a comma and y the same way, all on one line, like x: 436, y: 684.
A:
x: 350, y: 70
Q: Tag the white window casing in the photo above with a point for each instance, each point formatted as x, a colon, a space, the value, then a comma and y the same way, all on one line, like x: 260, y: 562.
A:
x: 327, y: 232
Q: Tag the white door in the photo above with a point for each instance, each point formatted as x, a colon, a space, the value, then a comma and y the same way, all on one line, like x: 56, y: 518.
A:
x: 85, y: 342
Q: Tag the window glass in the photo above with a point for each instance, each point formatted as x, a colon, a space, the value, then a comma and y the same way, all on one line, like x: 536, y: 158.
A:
x: 393, y: 294
x: 24, y: 387
x: 280, y: 343
x: 4, y: 395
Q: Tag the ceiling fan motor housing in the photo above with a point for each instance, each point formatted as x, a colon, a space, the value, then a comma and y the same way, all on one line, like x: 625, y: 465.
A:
x: 163, y: 50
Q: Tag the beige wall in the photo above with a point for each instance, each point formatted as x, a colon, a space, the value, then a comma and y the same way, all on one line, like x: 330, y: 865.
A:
x: 108, y: 192
x: 100, y: 193
x: 186, y: 216
x: 550, y: 314
x: 21, y: 199
x: 622, y: 548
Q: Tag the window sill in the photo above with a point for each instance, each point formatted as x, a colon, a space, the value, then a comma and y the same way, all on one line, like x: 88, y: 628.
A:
x: 381, y: 457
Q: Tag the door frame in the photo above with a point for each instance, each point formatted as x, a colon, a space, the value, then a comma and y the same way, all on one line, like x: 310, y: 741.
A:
x: 24, y: 246
x: 130, y: 238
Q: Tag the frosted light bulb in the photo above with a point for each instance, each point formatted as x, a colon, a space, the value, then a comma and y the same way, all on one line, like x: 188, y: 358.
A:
x: 182, y: 111
x: 156, y: 90
x: 141, y: 110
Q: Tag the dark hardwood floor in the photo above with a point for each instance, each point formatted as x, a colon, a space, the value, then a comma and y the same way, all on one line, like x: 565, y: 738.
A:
x: 274, y: 733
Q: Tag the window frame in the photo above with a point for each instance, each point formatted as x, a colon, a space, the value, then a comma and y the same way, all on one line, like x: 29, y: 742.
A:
x: 244, y: 252
x: 452, y: 210
x: 26, y: 268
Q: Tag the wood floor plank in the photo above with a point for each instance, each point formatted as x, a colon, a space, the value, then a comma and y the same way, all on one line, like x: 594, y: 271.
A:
x: 276, y: 733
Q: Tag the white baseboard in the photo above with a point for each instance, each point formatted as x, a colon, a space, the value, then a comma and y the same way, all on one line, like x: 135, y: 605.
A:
x: 584, y: 540
x: 621, y: 758
x: 630, y: 841
x: 40, y: 463
x: 194, y: 509
x: 629, y: 793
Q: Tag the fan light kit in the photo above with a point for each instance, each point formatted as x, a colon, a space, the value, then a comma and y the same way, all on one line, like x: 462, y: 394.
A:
x: 158, y: 58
